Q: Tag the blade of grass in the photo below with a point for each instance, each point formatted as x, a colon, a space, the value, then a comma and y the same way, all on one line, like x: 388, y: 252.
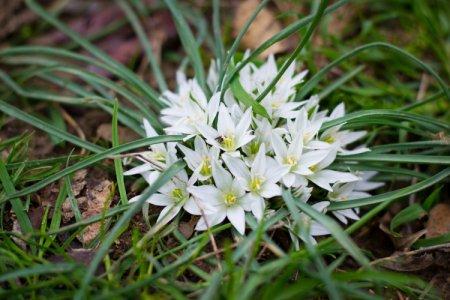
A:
x: 146, y: 44
x: 46, y: 127
x: 145, y: 88
x: 318, y: 15
x: 117, y: 161
x: 218, y: 44
x: 393, y: 195
x: 339, y: 82
x: 398, y: 158
x: 93, y: 159
x: 39, y: 270
x: 19, y: 211
x: 319, y: 75
x: 242, y: 96
x: 236, y: 43
x: 340, y: 236
x: 189, y: 43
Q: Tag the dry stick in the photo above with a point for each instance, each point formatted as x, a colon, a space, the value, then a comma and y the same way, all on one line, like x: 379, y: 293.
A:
x: 73, y: 124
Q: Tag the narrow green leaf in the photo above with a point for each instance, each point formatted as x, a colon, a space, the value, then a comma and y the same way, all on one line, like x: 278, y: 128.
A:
x: 109, y: 153
x: 408, y: 214
x: 38, y: 270
x: 189, y: 43
x: 432, y: 199
x: 117, y: 161
x: 242, y: 96
x: 393, y: 195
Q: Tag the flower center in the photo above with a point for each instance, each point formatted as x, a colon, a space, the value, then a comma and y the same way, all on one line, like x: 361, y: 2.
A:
x: 291, y: 161
x: 230, y: 199
x: 228, y: 142
x: 314, y: 168
x: 255, y: 184
x: 329, y: 139
x: 205, y: 168
x: 178, y: 195
x: 159, y: 156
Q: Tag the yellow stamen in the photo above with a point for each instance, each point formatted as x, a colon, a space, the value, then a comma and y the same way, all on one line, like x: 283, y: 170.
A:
x: 205, y: 169
x: 255, y: 184
x: 291, y: 161
x: 230, y: 199
x: 329, y: 139
x: 228, y: 142
x: 178, y: 195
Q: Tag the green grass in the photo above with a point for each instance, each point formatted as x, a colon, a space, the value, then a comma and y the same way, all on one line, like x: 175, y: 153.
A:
x: 378, y: 81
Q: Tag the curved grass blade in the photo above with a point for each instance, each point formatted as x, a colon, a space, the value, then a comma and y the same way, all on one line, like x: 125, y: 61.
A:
x: 189, y: 43
x: 319, y: 75
x: 242, y: 96
x: 318, y: 15
x: 117, y: 161
x: 46, y: 127
x: 218, y: 44
x: 393, y: 195
x: 236, y: 43
x: 397, y: 158
x: 340, y: 236
x: 286, y: 32
x: 96, y: 158
x: 121, y: 224
x: 145, y: 88
x: 39, y: 270
x: 146, y: 44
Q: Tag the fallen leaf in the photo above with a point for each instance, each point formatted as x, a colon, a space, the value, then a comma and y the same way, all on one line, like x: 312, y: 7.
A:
x: 79, y: 181
x: 438, y: 220
x: 98, y: 198
x: 263, y: 27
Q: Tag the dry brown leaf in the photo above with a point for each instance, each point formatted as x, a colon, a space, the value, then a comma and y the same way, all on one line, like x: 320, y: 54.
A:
x: 438, y: 220
x: 263, y: 27
x: 98, y: 198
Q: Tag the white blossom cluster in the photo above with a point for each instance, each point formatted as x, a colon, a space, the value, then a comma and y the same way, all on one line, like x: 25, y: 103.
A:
x: 237, y: 161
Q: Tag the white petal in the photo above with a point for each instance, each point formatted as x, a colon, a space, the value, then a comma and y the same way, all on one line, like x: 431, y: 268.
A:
x: 149, y: 131
x: 222, y: 178
x: 237, y: 167
x: 225, y: 124
x: 160, y: 200
x: 258, y: 206
x: 236, y: 215
x: 139, y: 169
x: 167, y: 214
x: 270, y: 190
x: 211, y: 220
x: 259, y: 163
x: 206, y: 193
x: 279, y: 146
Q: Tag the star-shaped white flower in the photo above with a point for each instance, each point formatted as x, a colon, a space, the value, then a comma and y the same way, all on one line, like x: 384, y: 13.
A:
x: 199, y: 160
x: 260, y: 180
x: 229, y: 135
x: 352, y: 190
x: 226, y: 198
x: 173, y: 196
x: 299, y: 163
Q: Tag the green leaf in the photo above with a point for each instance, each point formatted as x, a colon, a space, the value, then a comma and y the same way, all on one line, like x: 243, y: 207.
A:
x: 188, y: 41
x: 242, y: 96
x: 434, y: 241
x: 117, y: 161
x: 93, y: 159
x: 393, y: 195
x: 432, y: 199
x: 410, y: 213
x: 38, y: 270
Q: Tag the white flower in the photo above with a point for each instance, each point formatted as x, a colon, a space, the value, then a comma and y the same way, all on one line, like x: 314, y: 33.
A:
x: 299, y: 163
x: 333, y: 137
x: 277, y: 102
x: 260, y: 181
x: 199, y: 160
x: 156, y: 159
x: 315, y: 228
x: 173, y: 196
x: 352, y: 190
x: 323, y: 177
x: 230, y: 135
x: 303, y: 126
x: 188, y: 108
x: 226, y: 198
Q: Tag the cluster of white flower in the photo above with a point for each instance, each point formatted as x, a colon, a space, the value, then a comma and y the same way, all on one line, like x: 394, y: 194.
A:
x: 237, y: 160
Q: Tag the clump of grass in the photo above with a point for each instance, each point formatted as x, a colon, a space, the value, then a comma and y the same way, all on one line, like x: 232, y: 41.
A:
x: 238, y: 269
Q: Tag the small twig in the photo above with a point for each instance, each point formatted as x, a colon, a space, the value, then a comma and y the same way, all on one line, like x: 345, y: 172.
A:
x: 68, y: 118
